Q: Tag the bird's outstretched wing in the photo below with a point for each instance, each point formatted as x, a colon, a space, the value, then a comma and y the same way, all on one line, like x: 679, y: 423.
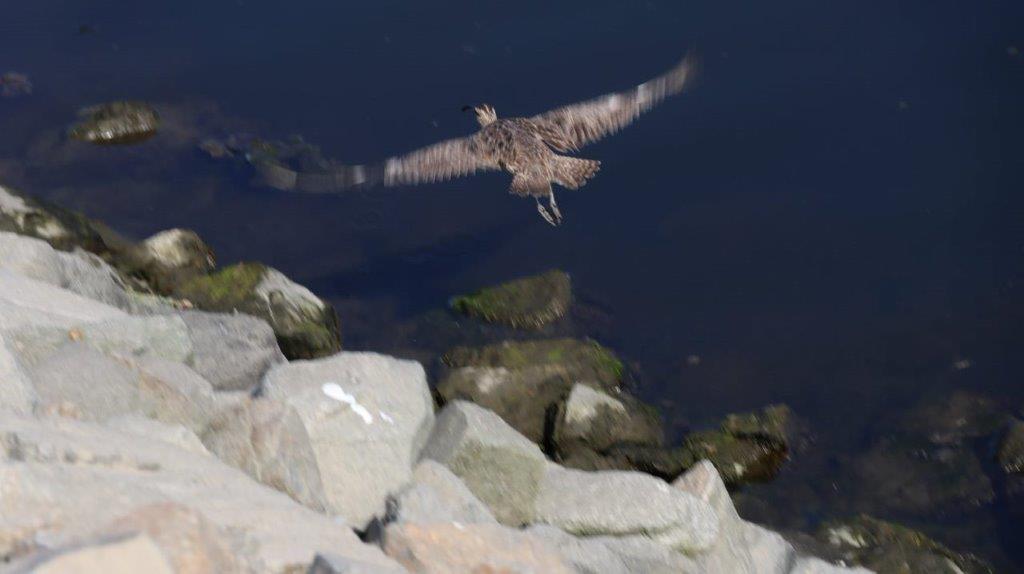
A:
x: 438, y: 162
x: 571, y: 127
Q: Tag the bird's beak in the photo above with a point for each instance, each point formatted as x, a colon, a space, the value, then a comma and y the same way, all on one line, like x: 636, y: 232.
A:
x: 466, y: 108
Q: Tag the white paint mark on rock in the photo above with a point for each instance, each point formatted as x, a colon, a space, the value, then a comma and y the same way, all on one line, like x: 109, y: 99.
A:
x: 334, y: 391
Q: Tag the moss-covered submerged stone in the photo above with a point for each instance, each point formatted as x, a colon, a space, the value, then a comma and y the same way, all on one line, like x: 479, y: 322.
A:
x: 306, y: 327
x: 121, y: 122
x: 578, y: 360
x: 890, y: 548
x: 530, y: 302
x: 738, y: 459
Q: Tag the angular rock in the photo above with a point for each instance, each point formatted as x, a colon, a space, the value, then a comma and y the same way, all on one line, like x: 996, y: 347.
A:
x: 437, y: 495
x: 664, y: 463
x: 595, y: 420
x: 328, y: 563
x: 189, y: 542
x: 774, y: 424
x: 524, y: 381
x: 741, y: 547
x: 179, y: 250
x: 531, y: 302
x: 612, y: 554
x: 26, y: 302
x: 121, y: 122
x: 233, y: 352
x: 738, y: 459
x: 624, y: 503
x: 17, y: 394
x: 500, y: 466
x: 365, y: 417
x: 79, y: 379
x: 305, y: 326
x: 71, y: 476
x: 444, y: 548
x: 809, y: 565
x: 889, y: 547
x: 173, y: 434
x: 124, y: 554
x: 1011, y: 449
x: 79, y: 272
x: 160, y: 336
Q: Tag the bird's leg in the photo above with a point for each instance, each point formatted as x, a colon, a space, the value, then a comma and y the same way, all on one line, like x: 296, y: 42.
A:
x: 554, y: 207
x: 544, y: 213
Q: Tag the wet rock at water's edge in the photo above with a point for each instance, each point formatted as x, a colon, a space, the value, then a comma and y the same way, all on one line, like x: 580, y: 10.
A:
x: 522, y: 381
x: 927, y: 464
x: 886, y: 547
x: 306, y: 327
x: 531, y: 302
x: 121, y: 122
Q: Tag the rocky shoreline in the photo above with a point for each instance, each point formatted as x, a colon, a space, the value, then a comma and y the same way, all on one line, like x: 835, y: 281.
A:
x: 161, y: 413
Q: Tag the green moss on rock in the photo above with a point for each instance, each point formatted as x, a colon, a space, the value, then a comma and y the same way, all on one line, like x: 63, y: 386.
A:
x: 531, y: 302
x: 579, y: 360
x: 226, y: 290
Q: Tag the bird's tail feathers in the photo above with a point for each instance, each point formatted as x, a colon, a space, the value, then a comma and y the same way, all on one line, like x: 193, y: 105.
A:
x: 573, y: 173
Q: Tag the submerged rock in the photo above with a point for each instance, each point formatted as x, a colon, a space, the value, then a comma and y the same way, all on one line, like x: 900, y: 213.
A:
x: 13, y: 84
x: 524, y: 382
x: 1011, y: 449
x: 306, y: 327
x: 62, y: 229
x: 886, y: 547
x: 531, y: 302
x: 574, y: 359
x: 121, y: 122
x: 591, y: 419
x: 952, y: 419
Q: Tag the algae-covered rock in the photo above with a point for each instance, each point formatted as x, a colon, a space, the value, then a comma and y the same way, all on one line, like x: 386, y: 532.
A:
x: 64, y: 230
x: 121, y: 122
x: 306, y: 327
x: 952, y: 419
x: 531, y: 302
x: 889, y: 548
x: 773, y: 424
x: 737, y: 459
x: 577, y: 360
x: 525, y: 381
x: 591, y: 419
x: 1011, y: 449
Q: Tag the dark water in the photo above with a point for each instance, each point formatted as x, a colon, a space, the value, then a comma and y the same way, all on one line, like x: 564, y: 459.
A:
x: 832, y: 218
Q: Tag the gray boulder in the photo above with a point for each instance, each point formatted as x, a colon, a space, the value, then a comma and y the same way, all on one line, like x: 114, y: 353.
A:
x: 352, y: 426
x: 78, y: 379
x: 61, y: 480
x: 79, y: 272
x: 622, y: 503
x: 330, y: 563
x: 500, y: 466
x: 741, y: 547
x: 612, y: 554
x: 159, y: 336
x: 17, y: 394
x: 27, y: 302
x: 233, y: 352
x: 306, y: 327
x: 443, y: 548
x: 437, y: 495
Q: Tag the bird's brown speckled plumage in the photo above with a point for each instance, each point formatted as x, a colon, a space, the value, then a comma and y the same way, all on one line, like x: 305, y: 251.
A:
x: 523, y: 147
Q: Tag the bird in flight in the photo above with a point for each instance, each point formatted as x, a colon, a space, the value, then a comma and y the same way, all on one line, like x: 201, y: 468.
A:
x: 526, y: 148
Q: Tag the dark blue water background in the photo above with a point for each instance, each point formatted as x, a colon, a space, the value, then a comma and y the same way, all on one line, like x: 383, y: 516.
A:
x: 831, y: 218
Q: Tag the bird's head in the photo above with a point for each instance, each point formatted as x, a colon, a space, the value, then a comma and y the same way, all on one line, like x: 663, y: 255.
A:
x: 485, y: 114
